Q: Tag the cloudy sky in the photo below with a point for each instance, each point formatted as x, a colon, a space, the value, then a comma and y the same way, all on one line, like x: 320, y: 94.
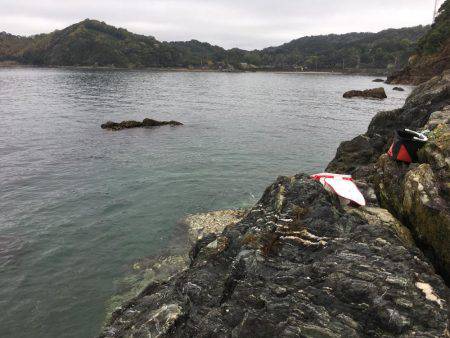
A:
x: 229, y: 23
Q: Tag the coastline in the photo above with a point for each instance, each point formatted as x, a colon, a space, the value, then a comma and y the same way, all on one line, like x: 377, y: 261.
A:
x: 299, y: 248
x: 367, y: 72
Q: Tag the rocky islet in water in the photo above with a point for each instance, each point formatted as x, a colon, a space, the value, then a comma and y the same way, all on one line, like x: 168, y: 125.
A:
x: 146, y: 123
x: 375, y: 93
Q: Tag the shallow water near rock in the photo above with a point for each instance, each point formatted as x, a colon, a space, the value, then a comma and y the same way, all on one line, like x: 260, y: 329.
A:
x: 79, y: 204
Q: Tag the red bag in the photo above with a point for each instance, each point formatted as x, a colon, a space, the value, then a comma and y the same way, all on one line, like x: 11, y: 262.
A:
x: 406, y: 144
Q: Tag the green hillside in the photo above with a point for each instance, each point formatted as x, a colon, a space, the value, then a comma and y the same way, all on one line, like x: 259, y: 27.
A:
x: 436, y: 38
x: 94, y: 43
x: 432, y: 55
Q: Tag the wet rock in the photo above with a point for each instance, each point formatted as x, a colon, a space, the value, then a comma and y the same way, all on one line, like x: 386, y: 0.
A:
x: 375, y: 93
x: 346, y: 274
x: 136, y: 124
x: 398, y: 89
x: 211, y: 222
x: 378, y: 80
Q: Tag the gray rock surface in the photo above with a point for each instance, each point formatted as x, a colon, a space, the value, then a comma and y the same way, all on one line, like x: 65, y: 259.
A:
x: 417, y: 194
x: 297, y: 265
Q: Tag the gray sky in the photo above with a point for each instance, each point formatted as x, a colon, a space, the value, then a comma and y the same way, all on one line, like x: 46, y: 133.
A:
x: 246, y: 24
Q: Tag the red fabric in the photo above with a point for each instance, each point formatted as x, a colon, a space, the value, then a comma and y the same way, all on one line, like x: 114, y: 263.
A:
x: 403, y: 155
x: 390, y: 150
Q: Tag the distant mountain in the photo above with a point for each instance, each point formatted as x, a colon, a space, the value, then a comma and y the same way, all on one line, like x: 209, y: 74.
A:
x: 432, y: 54
x: 94, y: 43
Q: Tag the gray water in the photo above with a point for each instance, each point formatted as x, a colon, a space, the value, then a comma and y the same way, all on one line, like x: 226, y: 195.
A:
x: 79, y: 204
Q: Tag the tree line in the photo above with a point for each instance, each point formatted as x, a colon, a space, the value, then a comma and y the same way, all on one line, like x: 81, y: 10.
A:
x: 94, y: 43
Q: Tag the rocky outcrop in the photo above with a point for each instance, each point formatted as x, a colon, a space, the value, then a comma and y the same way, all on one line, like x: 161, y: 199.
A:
x: 375, y: 93
x: 296, y: 265
x: 175, y: 257
x: 417, y: 194
x: 422, y: 69
x: 146, y: 123
x: 359, y: 155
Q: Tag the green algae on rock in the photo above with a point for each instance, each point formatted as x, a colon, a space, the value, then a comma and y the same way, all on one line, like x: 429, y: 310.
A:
x: 157, y: 269
x: 212, y: 222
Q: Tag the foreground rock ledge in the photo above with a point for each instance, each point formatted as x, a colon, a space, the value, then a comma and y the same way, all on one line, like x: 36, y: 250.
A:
x: 136, y: 124
x: 296, y: 265
x: 375, y: 93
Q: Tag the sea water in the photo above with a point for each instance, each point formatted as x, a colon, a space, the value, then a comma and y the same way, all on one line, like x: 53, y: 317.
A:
x: 79, y: 205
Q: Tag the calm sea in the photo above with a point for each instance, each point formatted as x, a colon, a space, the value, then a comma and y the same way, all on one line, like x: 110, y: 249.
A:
x: 79, y: 205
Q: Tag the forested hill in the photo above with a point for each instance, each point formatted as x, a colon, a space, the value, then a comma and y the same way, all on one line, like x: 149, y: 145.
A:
x: 94, y: 43
x: 372, y: 50
x: 432, y: 55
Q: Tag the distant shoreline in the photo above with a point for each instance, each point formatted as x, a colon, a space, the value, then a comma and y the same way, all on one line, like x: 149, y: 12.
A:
x: 368, y: 72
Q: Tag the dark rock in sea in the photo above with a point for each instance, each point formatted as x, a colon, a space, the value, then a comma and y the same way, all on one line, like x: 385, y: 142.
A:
x: 136, y: 124
x: 298, y: 264
x: 378, y: 80
x: 399, y: 89
x: 375, y: 93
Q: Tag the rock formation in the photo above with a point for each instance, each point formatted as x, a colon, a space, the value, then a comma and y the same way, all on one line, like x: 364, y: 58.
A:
x: 375, y: 93
x: 417, y: 194
x: 146, y: 123
x: 299, y: 264
x: 422, y: 69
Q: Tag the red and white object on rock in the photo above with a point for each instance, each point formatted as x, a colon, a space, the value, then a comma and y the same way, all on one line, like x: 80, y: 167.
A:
x: 341, y: 185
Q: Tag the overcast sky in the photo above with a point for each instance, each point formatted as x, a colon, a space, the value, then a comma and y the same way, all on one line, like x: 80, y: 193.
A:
x: 246, y: 24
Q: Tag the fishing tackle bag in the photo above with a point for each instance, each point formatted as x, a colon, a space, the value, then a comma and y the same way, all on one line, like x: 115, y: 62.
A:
x: 406, y: 144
